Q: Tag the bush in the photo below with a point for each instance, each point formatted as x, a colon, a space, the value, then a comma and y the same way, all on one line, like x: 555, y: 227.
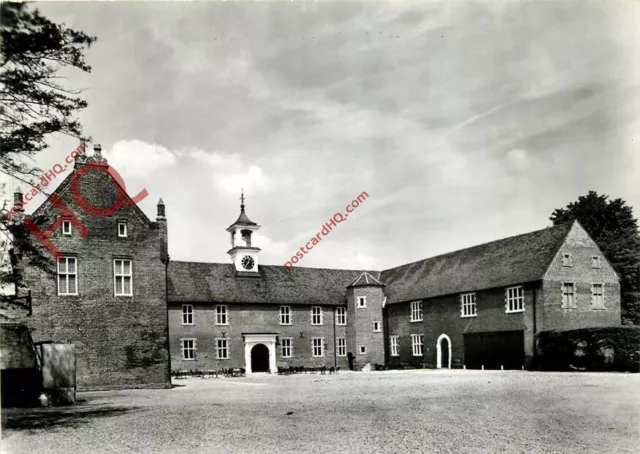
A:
x: 595, y: 349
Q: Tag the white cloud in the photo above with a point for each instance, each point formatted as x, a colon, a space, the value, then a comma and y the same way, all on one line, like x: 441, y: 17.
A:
x: 135, y: 158
x: 518, y: 160
x: 217, y: 160
x: 272, y: 249
x: 230, y: 174
x: 252, y: 180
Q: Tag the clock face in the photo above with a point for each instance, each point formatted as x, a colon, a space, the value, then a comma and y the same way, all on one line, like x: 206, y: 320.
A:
x: 247, y: 262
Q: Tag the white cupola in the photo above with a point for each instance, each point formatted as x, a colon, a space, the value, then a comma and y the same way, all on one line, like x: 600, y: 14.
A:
x: 243, y: 254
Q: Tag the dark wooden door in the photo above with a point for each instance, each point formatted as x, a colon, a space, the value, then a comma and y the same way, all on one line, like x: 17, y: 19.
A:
x: 492, y: 350
x: 260, y: 358
x: 444, y: 348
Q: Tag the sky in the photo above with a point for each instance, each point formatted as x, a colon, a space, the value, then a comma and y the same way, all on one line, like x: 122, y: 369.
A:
x: 464, y: 122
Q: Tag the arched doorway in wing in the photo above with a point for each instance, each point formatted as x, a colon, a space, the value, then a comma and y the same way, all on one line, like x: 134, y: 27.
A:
x: 443, y: 351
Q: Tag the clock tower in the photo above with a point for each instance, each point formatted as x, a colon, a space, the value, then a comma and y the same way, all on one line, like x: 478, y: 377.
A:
x: 243, y: 255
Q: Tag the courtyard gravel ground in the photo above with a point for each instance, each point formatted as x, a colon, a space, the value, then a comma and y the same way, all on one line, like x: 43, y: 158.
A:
x: 390, y: 412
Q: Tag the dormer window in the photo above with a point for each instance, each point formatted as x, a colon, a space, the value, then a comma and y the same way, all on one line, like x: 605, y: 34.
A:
x: 66, y: 227
x: 122, y: 229
x: 596, y: 262
x: 567, y: 260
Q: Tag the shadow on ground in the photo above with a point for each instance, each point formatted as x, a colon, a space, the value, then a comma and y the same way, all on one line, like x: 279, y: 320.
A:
x: 33, y: 419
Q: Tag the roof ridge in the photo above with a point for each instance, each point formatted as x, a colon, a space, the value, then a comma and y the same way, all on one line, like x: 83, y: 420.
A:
x: 565, y: 224
x: 366, y: 275
x: 64, y: 186
x: 275, y: 266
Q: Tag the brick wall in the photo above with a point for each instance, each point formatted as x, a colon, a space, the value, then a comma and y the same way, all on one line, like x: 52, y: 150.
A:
x: 251, y: 318
x: 441, y: 315
x: 121, y: 342
x: 16, y: 351
x: 360, y: 325
x: 581, y: 272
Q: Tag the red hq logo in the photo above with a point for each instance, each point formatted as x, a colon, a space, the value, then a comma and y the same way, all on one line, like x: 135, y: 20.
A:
x: 122, y: 200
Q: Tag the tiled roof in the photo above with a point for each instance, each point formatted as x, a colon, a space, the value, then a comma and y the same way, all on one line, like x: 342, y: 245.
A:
x: 65, y: 187
x: 217, y: 282
x: 510, y: 261
x: 514, y: 260
x: 365, y: 279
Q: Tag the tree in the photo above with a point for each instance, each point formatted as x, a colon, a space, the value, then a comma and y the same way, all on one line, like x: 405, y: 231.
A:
x: 33, y: 104
x: 612, y: 226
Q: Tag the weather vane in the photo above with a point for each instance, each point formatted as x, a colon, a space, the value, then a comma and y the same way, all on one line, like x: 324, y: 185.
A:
x: 242, y: 198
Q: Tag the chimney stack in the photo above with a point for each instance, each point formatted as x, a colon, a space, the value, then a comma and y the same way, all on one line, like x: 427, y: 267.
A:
x: 17, y: 199
x: 161, y: 219
x: 161, y: 212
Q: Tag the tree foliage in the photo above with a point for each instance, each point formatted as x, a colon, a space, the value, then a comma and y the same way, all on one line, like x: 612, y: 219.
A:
x: 33, y: 102
x: 33, y: 105
x: 613, y: 227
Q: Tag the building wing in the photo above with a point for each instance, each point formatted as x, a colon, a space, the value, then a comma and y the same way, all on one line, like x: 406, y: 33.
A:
x: 518, y: 259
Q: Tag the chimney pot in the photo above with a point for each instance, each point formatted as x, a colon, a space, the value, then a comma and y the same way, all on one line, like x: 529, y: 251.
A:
x: 161, y: 210
x: 17, y: 196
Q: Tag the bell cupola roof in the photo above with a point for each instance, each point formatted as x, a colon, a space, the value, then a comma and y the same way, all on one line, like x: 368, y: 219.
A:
x: 243, y: 219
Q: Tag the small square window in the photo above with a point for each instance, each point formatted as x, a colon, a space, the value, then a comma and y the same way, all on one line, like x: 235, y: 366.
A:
x: 597, y: 296
x: 67, y: 276
x: 567, y: 260
x: 417, y: 341
x: 596, y: 262
x: 222, y: 315
x: 515, y: 299
x: 122, y: 277
x: 393, y: 342
x: 285, y: 315
x: 569, y: 295
x: 187, y: 314
x: 468, y: 305
x: 188, y: 348
x: 122, y: 229
x: 416, y: 311
x: 316, y: 315
x: 66, y: 227
x: 222, y: 348
x: 286, y: 344
x: 377, y: 327
x: 317, y: 347
x: 362, y: 350
x: 362, y: 301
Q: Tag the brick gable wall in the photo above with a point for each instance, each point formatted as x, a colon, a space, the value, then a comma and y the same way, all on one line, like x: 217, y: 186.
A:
x: 582, y: 248
x: 121, y: 342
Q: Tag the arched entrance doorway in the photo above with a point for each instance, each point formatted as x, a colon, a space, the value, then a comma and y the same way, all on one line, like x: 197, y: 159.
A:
x: 260, y: 358
x: 262, y: 341
x: 443, y: 351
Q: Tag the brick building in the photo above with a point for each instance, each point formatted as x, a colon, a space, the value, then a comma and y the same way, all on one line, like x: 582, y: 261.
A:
x: 477, y: 307
x: 134, y: 314
x: 482, y: 306
x: 107, y: 294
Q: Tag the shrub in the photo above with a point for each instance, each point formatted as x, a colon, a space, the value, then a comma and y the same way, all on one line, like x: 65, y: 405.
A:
x: 596, y: 349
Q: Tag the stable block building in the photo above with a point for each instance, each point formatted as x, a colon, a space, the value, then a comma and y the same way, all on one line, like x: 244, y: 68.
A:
x: 135, y: 315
